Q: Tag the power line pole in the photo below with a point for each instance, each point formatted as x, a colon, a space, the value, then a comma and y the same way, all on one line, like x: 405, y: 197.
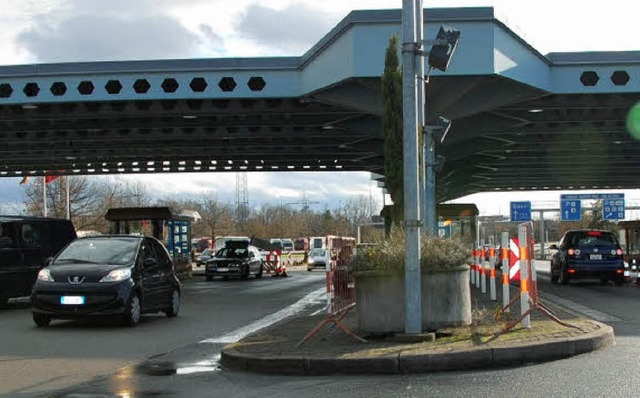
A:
x: 242, y: 198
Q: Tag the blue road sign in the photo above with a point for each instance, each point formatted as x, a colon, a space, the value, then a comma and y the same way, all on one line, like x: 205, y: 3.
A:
x: 520, y: 211
x: 613, y: 209
x: 570, y: 210
x: 591, y: 196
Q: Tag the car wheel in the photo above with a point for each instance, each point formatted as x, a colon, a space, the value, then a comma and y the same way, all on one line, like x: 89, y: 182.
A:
x: 619, y: 281
x: 564, y: 277
x: 131, y: 316
x: 554, y: 277
x: 3, y: 301
x: 41, y: 321
x: 209, y: 278
x: 245, y: 273
x: 309, y: 269
x: 174, y: 304
x: 259, y: 274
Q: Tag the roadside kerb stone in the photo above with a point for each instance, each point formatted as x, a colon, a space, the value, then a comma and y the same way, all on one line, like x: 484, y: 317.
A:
x: 422, y: 360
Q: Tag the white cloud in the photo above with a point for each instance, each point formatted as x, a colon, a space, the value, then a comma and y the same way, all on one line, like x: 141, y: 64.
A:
x: 73, y: 30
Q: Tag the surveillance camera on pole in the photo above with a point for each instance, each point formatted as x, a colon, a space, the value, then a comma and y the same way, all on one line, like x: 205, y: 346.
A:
x: 440, y: 129
x: 443, y: 47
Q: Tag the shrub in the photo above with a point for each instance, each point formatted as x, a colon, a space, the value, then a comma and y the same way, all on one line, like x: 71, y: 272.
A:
x: 388, y: 254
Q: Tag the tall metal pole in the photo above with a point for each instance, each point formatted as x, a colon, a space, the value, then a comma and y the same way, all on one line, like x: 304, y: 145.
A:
x: 430, y: 199
x: 412, y: 282
x: 44, y: 196
x: 428, y: 180
x: 421, y: 112
x: 68, y: 197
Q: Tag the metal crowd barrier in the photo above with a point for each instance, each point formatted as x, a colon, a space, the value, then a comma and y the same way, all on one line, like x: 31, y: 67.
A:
x: 340, y: 289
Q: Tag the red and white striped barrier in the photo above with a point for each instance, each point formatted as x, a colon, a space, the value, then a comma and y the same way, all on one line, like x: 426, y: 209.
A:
x: 274, y: 263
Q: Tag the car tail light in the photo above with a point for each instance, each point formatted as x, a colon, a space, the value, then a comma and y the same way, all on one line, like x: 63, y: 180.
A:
x: 619, y: 252
x: 571, y: 252
x: 594, y: 233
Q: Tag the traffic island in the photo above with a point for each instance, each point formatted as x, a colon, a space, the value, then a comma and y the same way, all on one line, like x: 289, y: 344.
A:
x: 479, y: 346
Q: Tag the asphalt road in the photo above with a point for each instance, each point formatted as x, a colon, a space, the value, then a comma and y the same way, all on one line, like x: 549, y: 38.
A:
x: 36, y: 361
x: 613, y: 372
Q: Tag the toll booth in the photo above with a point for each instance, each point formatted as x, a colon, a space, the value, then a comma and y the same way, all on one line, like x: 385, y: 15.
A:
x: 458, y: 220
x: 172, y: 228
x: 629, y: 237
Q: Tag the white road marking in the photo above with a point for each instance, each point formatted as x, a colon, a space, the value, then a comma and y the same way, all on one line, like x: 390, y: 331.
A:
x: 244, y: 331
x: 581, y: 309
x: 318, y: 312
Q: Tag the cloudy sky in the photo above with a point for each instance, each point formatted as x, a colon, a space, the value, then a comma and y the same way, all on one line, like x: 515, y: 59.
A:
x: 41, y: 31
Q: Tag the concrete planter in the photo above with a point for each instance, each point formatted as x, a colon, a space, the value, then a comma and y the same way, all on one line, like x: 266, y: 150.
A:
x: 446, y: 299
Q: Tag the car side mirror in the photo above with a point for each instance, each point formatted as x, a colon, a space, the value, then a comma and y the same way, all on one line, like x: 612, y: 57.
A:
x: 48, y: 261
x: 149, y: 262
x: 553, y: 247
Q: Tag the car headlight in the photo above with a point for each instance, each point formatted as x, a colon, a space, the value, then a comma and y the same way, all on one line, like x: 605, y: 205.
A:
x: 311, y: 260
x: 117, y: 275
x: 45, y: 275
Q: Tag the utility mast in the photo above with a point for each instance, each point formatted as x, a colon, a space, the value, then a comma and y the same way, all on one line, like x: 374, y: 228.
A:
x: 242, y: 198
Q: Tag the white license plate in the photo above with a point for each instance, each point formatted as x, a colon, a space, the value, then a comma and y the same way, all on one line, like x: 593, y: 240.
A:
x: 72, y: 300
x: 223, y: 269
x: 595, y: 256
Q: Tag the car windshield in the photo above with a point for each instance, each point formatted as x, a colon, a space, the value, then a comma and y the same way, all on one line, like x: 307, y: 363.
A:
x: 98, y: 251
x: 206, y: 252
x: 595, y: 239
x: 317, y: 252
x: 229, y: 252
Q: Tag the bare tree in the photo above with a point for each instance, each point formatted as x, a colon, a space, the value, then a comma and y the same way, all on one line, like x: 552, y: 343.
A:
x: 358, y: 211
x: 217, y: 216
x: 89, y: 199
x: 83, y: 198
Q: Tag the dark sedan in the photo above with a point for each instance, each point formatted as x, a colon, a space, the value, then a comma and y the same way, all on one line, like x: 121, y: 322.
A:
x: 110, y: 275
x: 237, y: 258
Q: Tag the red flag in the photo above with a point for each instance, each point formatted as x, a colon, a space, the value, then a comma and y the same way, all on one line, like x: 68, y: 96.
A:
x: 48, y: 179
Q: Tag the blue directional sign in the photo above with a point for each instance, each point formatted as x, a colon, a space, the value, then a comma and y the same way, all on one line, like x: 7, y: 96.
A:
x: 570, y: 210
x: 613, y: 209
x: 591, y: 196
x: 520, y: 211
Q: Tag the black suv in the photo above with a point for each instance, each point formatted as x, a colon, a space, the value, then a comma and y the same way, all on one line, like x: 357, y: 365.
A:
x: 587, y: 254
x: 25, y: 245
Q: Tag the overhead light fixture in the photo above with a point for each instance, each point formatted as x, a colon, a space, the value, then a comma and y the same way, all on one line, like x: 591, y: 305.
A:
x: 29, y: 106
x: 535, y: 110
x: 189, y: 116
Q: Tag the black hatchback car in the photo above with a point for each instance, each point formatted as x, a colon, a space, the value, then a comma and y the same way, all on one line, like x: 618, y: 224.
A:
x: 587, y: 254
x: 110, y: 275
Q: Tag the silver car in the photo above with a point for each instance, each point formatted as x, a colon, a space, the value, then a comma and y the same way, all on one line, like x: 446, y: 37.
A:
x: 317, y: 258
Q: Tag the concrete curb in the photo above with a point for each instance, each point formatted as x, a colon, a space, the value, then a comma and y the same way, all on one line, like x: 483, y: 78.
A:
x: 474, y: 358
